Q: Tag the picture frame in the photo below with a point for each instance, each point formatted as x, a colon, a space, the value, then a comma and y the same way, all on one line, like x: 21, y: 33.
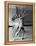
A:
x: 6, y: 19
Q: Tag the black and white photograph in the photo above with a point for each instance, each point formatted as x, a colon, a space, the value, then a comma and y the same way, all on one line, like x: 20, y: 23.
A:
x: 20, y: 22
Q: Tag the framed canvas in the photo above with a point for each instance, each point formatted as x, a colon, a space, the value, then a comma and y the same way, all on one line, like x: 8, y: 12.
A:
x: 19, y: 22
